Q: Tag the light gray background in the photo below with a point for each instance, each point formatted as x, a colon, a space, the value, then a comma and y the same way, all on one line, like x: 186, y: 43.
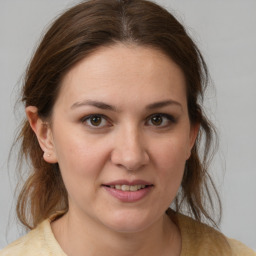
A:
x: 225, y: 32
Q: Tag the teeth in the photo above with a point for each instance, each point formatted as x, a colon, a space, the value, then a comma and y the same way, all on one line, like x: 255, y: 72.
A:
x: 117, y: 187
x: 134, y: 188
x: 127, y: 187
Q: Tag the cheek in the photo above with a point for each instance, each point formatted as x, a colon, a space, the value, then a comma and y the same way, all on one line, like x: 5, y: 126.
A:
x: 170, y: 158
x: 79, y: 153
x: 80, y: 162
x: 171, y: 152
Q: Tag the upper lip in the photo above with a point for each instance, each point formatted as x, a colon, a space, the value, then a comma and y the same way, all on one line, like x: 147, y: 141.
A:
x: 127, y: 182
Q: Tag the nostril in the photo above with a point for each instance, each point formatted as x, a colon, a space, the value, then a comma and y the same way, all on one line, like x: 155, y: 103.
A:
x: 129, y: 154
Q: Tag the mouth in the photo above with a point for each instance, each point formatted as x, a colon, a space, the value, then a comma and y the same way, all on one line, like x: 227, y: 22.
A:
x: 126, y: 191
x: 131, y: 188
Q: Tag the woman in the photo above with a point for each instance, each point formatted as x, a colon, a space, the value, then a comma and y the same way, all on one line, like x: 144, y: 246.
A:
x: 113, y: 129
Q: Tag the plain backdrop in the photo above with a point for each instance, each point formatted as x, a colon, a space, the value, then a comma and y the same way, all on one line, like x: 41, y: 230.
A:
x: 225, y: 31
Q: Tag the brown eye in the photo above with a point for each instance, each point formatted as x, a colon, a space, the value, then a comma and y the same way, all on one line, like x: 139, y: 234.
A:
x: 156, y: 120
x: 161, y: 120
x: 95, y: 120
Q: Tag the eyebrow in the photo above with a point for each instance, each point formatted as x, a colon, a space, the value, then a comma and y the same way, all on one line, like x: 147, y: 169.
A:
x: 105, y: 106
x: 162, y: 104
x: 97, y: 104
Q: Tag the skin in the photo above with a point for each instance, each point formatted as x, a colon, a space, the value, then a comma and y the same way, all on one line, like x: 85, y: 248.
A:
x: 127, y: 143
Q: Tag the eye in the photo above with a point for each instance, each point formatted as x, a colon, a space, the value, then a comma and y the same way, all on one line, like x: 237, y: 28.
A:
x: 96, y: 121
x: 161, y: 120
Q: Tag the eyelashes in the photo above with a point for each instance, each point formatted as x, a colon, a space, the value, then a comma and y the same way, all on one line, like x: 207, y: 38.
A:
x: 96, y: 121
x: 161, y: 120
x: 158, y: 120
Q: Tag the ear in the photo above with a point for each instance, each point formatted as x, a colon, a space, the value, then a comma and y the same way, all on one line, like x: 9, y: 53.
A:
x: 43, y: 133
x: 194, y: 129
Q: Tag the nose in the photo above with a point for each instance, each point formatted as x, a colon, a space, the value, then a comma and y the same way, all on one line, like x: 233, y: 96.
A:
x: 130, y: 150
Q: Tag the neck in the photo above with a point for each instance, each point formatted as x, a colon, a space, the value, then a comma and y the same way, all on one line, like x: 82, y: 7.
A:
x: 78, y: 237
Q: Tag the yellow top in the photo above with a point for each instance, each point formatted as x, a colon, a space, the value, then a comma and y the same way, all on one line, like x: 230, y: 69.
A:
x: 197, y: 240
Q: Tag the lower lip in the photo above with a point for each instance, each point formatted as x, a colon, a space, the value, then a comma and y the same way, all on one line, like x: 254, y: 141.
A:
x: 128, y: 196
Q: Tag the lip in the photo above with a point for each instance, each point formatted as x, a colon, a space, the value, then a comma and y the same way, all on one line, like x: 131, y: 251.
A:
x: 129, y: 183
x: 128, y: 196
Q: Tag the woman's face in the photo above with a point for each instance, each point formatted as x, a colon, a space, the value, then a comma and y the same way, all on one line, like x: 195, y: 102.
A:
x: 121, y: 136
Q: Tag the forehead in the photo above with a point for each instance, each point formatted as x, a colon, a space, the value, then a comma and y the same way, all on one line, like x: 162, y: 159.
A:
x: 124, y: 71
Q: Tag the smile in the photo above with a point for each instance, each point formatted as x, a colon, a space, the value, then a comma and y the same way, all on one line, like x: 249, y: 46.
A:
x: 128, y: 191
x: 127, y: 187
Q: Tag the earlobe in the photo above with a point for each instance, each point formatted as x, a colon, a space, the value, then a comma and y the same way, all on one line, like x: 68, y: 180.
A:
x: 43, y: 133
x: 192, y: 136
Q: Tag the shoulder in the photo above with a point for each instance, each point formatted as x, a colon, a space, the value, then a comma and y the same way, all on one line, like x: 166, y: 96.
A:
x: 200, y: 239
x: 239, y: 249
x: 26, y: 245
x: 39, y: 241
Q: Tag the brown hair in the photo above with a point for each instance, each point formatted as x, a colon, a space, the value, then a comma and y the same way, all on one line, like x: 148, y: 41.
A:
x: 74, y: 35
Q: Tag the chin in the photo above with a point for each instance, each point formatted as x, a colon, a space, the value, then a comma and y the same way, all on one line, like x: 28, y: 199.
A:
x: 128, y: 222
